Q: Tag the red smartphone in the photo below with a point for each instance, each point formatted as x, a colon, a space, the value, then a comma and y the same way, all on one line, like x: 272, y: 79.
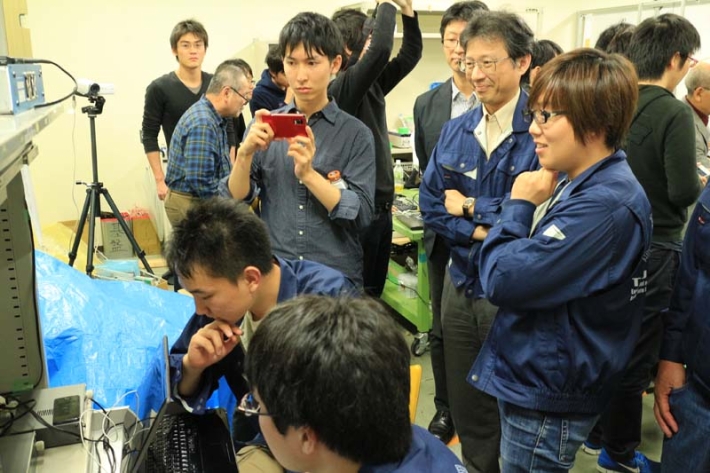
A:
x: 286, y: 125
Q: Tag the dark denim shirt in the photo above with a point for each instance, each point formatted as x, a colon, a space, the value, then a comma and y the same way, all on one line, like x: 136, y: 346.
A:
x: 300, y: 226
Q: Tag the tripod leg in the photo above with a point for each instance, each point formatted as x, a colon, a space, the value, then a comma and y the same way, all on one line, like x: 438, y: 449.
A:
x: 139, y: 252
x: 94, y: 192
x: 80, y: 227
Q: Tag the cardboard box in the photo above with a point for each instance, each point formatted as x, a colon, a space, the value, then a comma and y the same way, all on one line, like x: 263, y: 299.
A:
x: 144, y: 232
x: 116, y: 243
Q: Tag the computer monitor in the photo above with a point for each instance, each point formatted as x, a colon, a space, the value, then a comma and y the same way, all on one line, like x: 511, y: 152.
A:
x: 23, y: 366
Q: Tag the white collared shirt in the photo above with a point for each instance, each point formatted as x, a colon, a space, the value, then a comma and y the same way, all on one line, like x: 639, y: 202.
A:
x: 497, y: 126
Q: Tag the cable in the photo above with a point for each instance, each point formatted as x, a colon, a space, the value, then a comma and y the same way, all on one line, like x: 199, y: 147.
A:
x: 5, y: 60
x: 392, y: 280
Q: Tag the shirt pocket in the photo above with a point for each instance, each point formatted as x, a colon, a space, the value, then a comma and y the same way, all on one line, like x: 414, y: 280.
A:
x: 458, y: 166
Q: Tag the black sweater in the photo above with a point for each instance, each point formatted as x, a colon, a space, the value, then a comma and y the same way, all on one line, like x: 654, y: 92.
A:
x: 661, y: 153
x: 166, y: 100
x: 361, y: 89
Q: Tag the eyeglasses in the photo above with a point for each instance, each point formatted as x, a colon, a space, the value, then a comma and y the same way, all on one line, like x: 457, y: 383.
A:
x: 246, y: 100
x: 451, y: 43
x: 489, y: 65
x: 693, y: 61
x: 540, y: 116
x: 250, y: 406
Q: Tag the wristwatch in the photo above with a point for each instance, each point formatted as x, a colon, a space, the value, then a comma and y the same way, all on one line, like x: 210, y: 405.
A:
x: 467, y: 206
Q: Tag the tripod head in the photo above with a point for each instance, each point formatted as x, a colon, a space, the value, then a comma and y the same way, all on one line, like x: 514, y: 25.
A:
x: 98, y: 102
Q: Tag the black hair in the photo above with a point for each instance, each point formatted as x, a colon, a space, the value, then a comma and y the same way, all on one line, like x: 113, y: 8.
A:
x: 543, y: 51
x: 608, y: 34
x: 619, y: 44
x: 315, y: 32
x: 274, y: 60
x: 656, y: 40
x: 350, y: 22
x: 505, y: 26
x: 222, y: 236
x: 188, y: 26
x: 339, y: 366
x: 460, y: 11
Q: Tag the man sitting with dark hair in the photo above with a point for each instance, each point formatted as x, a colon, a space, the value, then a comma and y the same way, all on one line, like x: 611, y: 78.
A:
x: 271, y: 92
x: 222, y: 255
x: 330, y: 384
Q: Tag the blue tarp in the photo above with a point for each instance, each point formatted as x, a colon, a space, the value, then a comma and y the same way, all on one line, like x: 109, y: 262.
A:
x: 108, y: 335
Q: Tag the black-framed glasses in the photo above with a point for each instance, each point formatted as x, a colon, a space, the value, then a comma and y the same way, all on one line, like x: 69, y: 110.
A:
x: 487, y: 65
x: 246, y: 100
x: 540, y: 116
x: 249, y: 406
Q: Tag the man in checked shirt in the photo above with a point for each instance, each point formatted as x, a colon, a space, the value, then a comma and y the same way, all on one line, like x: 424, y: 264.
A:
x: 199, y: 149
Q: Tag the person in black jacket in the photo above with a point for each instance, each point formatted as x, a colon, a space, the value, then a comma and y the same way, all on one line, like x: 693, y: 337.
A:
x: 661, y: 153
x: 169, y: 96
x: 360, y: 90
x: 271, y: 92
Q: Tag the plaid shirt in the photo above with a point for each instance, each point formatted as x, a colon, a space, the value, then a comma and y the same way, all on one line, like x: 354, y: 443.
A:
x: 199, y: 151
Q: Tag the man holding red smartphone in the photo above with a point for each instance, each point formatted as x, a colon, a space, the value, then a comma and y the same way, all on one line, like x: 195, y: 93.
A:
x: 307, y: 217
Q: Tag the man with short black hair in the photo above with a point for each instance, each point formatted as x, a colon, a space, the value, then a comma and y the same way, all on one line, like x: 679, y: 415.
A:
x: 169, y: 96
x: 330, y: 386
x: 271, y: 91
x: 307, y: 217
x: 661, y: 153
x: 431, y: 110
x: 360, y: 90
x: 222, y: 255
x: 476, y: 160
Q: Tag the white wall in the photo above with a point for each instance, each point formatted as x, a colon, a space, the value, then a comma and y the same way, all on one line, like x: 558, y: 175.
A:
x: 127, y: 43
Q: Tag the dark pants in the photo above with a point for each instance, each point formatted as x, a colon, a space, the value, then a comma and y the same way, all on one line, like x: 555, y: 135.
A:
x: 466, y: 323
x: 437, y: 259
x: 376, y: 242
x: 619, y: 428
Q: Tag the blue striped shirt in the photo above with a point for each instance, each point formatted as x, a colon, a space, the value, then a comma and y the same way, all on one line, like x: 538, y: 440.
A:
x: 198, y: 156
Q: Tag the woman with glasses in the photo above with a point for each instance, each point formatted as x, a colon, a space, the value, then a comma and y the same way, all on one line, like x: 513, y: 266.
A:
x: 565, y: 264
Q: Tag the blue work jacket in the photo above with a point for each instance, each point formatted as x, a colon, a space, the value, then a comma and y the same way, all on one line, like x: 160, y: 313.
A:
x: 570, y: 293
x: 297, y: 277
x: 686, y: 336
x: 459, y: 162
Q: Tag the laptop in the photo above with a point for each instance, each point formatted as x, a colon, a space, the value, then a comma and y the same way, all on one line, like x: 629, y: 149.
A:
x: 181, y: 442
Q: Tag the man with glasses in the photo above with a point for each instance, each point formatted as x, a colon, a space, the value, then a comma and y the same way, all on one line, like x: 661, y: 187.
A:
x: 199, y: 148
x: 661, y: 153
x: 471, y: 172
x: 168, y: 97
x: 431, y: 110
x: 355, y: 418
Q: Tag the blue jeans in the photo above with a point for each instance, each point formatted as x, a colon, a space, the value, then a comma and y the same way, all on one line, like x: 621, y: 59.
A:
x: 534, y: 441
x: 688, y: 449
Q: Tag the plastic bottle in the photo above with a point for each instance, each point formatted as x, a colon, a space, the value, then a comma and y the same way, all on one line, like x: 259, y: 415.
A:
x: 336, y: 180
x: 398, y: 177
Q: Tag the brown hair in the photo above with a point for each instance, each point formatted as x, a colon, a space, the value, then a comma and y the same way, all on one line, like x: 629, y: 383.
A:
x: 597, y: 91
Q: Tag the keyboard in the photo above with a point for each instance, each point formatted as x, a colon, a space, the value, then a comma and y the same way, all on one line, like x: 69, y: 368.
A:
x: 413, y: 222
x: 176, y: 447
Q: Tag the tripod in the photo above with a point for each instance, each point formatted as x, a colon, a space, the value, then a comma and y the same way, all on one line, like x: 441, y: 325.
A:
x: 92, y: 202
